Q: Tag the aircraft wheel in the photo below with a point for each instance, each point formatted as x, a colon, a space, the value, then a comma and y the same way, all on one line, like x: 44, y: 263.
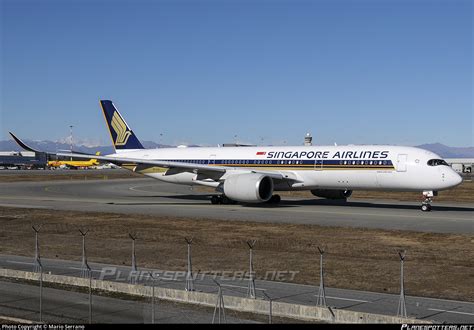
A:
x: 215, y: 200
x: 426, y: 207
x: 226, y: 200
x: 275, y: 199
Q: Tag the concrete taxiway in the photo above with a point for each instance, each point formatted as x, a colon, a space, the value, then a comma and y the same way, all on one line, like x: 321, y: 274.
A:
x: 437, y: 310
x: 148, y: 196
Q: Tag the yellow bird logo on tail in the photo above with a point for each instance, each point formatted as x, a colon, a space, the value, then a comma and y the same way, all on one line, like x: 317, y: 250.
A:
x: 120, y: 129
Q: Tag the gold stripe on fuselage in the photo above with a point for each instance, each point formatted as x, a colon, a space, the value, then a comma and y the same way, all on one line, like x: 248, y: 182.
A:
x: 157, y: 169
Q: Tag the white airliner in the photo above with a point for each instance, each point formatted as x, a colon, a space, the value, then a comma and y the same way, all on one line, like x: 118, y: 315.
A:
x: 253, y: 174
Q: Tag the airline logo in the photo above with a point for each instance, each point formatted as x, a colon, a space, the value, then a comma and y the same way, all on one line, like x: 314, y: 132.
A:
x: 120, y: 129
x: 361, y: 154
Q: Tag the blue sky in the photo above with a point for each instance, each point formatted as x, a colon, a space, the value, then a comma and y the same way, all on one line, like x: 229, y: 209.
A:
x: 382, y: 72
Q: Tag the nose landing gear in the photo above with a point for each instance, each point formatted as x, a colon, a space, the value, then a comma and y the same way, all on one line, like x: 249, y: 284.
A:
x: 425, y: 207
x: 427, y: 199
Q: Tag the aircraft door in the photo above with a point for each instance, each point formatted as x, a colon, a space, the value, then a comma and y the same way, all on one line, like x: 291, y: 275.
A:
x: 212, y: 159
x: 402, y: 163
x: 318, y: 164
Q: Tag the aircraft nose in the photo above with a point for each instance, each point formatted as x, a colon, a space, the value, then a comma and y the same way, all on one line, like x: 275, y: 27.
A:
x: 455, y: 179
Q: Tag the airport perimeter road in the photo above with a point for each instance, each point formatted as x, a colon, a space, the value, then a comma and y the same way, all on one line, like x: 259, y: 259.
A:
x: 148, y: 196
x: 60, y: 306
x: 422, y: 308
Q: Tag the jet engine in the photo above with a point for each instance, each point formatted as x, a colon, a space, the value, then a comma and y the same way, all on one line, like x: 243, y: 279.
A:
x: 248, y: 187
x: 332, y: 193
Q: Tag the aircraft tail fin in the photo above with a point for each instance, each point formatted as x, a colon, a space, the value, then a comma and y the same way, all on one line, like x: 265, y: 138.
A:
x: 122, y: 136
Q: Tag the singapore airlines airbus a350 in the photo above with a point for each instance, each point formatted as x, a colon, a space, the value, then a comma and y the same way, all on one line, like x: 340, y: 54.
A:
x: 253, y: 174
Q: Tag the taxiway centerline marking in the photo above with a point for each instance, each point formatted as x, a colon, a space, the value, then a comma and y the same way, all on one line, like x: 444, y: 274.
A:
x: 448, y: 311
x: 349, y: 299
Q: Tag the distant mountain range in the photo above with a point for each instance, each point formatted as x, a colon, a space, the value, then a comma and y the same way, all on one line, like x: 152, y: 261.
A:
x: 10, y: 145
x: 449, y: 152
x: 50, y: 146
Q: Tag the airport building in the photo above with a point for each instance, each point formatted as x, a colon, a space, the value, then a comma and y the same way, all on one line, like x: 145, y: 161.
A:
x: 461, y: 165
x: 22, y: 160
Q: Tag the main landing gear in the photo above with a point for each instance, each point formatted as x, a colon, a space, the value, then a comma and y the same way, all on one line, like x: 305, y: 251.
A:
x: 427, y: 199
x: 275, y: 199
x: 223, y: 199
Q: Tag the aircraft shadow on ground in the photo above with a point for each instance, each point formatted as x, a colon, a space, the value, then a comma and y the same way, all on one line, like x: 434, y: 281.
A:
x: 308, y: 202
x: 381, y: 205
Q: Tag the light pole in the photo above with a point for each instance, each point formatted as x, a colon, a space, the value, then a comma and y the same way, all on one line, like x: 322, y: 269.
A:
x: 70, y: 131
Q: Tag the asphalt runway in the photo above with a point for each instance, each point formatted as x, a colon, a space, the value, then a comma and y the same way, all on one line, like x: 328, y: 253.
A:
x: 438, y: 310
x: 149, y: 196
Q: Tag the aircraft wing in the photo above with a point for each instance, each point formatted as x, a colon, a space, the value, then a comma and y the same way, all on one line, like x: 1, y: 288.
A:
x: 168, y: 164
x: 214, y: 171
x: 23, y: 144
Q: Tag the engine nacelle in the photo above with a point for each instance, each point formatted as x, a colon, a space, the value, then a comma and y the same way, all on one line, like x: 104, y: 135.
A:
x: 249, y: 187
x: 332, y: 193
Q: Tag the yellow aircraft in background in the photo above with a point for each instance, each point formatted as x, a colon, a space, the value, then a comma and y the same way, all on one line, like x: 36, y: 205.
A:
x: 74, y: 163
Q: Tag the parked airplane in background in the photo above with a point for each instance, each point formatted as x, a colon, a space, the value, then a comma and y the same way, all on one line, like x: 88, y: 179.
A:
x: 74, y: 163
x: 253, y: 174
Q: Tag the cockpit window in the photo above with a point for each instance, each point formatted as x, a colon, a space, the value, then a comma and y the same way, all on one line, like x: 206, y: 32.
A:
x: 437, y: 162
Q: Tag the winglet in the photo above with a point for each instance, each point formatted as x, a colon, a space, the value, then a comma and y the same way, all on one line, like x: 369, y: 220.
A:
x: 23, y: 144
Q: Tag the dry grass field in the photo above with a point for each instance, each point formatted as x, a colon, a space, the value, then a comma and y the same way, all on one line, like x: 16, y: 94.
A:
x: 56, y: 175
x: 437, y: 265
